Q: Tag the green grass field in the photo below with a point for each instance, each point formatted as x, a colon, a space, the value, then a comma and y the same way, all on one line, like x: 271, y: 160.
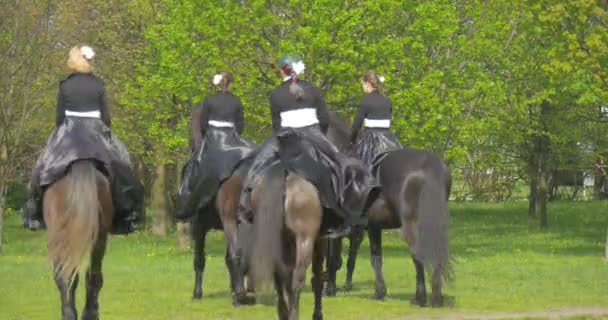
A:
x: 502, y: 266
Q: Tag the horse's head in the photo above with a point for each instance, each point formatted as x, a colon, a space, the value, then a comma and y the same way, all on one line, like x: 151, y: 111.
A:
x: 339, y: 131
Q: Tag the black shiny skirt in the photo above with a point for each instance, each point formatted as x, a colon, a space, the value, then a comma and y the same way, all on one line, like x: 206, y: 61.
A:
x: 211, y: 163
x: 89, y: 138
x: 346, y: 186
x: 372, y: 143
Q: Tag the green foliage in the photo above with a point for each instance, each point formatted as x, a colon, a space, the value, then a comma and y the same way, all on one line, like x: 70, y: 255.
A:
x: 467, y: 78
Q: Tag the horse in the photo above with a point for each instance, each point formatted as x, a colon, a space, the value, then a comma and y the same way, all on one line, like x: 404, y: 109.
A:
x: 415, y: 190
x: 223, y: 215
x: 286, y: 226
x: 78, y: 211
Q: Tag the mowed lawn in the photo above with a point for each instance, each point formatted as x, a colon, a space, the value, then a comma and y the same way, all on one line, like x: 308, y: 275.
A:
x: 501, y: 265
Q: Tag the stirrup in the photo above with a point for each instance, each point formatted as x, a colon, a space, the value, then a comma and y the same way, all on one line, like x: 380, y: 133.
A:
x: 337, y: 233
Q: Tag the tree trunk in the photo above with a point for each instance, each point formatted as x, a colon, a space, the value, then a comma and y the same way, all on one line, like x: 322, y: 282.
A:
x: 606, y: 249
x: 3, y: 186
x: 543, y: 165
x: 184, y: 239
x: 2, y: 205
x: 543, y: 187
x: 533, y: 195
x: 183, y: 235
x: 160, y: 214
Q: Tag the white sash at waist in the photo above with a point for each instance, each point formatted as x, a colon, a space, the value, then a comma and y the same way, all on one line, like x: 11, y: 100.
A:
x: 221, y: 124
x: 299, y: 118
x: 374, y: 123
x: 87, y: 114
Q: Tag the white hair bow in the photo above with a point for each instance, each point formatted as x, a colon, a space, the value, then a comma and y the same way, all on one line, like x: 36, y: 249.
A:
x: 381, y: 79
x: 217, y: 79
x: 298, y: 67
x: 87, y: 52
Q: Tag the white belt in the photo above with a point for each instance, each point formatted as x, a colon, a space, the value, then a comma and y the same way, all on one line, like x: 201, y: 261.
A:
x: 221, y: 124
x: 87, y: 114
x: 372, y: 123
x: 299, y: 118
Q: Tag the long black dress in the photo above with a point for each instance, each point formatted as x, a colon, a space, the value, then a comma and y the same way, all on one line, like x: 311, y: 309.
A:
x: 83, y: 132
x: 345, y: 185
x: 218, y: 146
x: 375, y: 139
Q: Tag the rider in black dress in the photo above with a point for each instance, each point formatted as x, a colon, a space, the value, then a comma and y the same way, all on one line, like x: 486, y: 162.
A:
x: 217, y: 126
x: 300, y: 120
x: 83, y: 131
x: 374, y: 116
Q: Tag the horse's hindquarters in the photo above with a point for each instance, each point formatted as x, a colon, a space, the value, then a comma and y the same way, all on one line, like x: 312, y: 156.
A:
x: 381, y: 215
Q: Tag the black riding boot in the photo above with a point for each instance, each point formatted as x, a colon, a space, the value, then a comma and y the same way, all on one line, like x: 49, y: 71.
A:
x: 32, y: 213
x: 127, y: 196
x: 33, y: 218
x: 197, y: 190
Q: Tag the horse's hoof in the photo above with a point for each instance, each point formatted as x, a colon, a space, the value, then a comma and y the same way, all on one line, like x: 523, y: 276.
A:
x: 90, y: 315
x: 317, y: 316
x: 331, y: 291
x: 197, y: 295
x: 418, y: 301
x: 348, y: 286
x: 437, y: 302
x: 69, y: 315
x: 243, y: 300
x: 380, y: 294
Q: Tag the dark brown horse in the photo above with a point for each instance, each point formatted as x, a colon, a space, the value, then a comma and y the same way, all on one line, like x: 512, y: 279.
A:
x: 78, y: 212
x: 415, y: 189
x: 222, y: 216
x: 287, y: 221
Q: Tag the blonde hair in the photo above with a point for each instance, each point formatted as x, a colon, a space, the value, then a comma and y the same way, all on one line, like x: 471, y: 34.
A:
x: 77, y: 62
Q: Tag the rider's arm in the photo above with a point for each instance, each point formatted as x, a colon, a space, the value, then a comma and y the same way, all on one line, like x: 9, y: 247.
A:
x: 105, y: 112
x: 275, y: 111
x: 322, y: 112
x: 197, y: 136
x: 357, y: 123
x: 60, y: 109
x: 239, y: 122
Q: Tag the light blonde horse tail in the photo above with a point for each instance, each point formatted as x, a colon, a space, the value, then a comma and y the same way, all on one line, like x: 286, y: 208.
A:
x: 75, y: 222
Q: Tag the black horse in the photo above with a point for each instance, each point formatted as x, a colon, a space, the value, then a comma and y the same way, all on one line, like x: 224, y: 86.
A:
x: 415, y: 190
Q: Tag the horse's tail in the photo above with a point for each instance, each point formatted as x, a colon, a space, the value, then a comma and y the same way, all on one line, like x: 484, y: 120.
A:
x: 433, y: 221
x: 72, y: 236
x: 266, y: 257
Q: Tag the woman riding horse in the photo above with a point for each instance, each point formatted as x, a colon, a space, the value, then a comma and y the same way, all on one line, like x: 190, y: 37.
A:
x: 300, y: 121
x: 83, y: 131
x: 216, y: 128
x: 374, y: 115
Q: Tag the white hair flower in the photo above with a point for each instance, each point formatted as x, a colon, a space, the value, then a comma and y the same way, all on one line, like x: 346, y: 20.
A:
x: 381, y: 79
x: 217, y: 79
x: 87, y: 52
x: 298, y: 67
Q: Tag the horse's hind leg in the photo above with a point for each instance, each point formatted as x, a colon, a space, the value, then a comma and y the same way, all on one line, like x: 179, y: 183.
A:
x: 199, y: 233
x: 436, y: 295
x: 227, y: 202
x: 334, y: 263
x: 420, y: 298
x: 68, y: 303
x: 281, y: 297
x: 375, y: 245
x: 408, y: 231
x: 355, y: 239
x: 94, y: 280
x: 317, y: 280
